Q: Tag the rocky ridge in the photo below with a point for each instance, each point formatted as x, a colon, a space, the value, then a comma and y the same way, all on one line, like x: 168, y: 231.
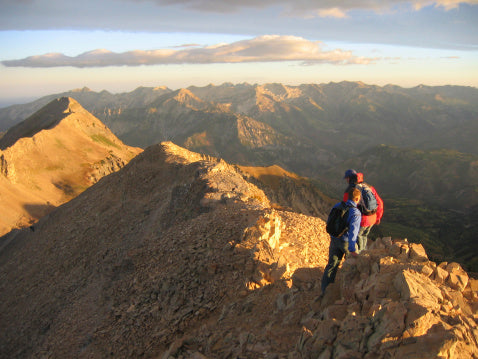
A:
x: 53, y: 156
x: 181, y: 255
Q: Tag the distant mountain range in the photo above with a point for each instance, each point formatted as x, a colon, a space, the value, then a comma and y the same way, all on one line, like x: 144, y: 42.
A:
x: 304, y: 128
x: 415, y: 145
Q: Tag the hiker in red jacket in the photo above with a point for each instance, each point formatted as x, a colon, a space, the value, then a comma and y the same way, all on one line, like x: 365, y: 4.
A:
x: 355, y: 179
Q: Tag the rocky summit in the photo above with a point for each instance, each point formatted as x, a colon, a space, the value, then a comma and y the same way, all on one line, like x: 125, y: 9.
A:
x: 51, y: 157
x: 181, y: 255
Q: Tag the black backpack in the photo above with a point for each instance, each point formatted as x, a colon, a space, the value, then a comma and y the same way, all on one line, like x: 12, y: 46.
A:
x: 337, y: 220
x: 368, y: 203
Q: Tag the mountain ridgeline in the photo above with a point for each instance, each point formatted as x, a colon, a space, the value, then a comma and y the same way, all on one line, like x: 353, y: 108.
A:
x: 51, y: 157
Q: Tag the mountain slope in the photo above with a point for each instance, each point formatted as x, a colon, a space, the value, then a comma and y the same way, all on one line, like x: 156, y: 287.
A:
x: 181, y: 255
x: 44, y: 119
x: 178, y: 224
x: 53, y: 156
x: 288, y: 190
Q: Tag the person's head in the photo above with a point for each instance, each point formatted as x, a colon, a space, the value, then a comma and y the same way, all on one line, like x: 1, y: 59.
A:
x: 354, y: 194
x: 351, y: 176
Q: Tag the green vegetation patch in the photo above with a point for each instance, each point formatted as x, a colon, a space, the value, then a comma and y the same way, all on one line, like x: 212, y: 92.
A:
x: 103, y: 140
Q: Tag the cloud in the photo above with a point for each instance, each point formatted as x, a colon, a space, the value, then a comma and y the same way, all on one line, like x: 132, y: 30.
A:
x: 394, y: 22
x: 307, y: 8
x: 446, y: 4
x: 267, y: 48
x: 186, y: 45
x: 332, y: 12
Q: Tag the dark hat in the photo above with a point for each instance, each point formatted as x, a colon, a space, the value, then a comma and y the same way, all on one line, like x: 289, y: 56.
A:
x: 350, y: 173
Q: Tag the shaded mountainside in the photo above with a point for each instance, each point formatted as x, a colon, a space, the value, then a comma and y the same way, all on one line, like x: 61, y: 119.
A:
x: 51, y: 157
x: 441, y: 177
x: 289, y: 190
x: 177, y: 224
x: 182, y: 255
x: 430, y: 197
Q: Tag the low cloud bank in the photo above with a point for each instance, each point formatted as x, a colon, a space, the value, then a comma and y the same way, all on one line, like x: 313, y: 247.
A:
x: 267, y: 48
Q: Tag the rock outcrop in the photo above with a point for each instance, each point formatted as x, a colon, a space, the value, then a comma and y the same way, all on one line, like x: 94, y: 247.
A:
x: 392, y: 302
x: 180, y: 255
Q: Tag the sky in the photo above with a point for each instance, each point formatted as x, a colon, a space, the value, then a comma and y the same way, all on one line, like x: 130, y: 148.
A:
x: 53, y: 46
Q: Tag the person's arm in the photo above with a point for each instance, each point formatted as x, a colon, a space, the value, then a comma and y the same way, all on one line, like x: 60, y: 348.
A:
x: 354, y: 227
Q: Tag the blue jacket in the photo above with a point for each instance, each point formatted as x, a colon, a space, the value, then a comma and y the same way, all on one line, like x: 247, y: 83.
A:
x: 353, y: 222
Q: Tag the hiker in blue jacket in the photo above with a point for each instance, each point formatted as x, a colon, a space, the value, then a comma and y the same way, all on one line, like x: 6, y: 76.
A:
x: 345, y: 244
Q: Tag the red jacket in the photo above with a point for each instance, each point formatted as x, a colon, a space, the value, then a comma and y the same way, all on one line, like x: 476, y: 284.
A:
x: 373, y: 218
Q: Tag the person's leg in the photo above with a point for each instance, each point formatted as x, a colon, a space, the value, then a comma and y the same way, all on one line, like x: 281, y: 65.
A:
x: 337, y: 251
x: 362, y: 238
